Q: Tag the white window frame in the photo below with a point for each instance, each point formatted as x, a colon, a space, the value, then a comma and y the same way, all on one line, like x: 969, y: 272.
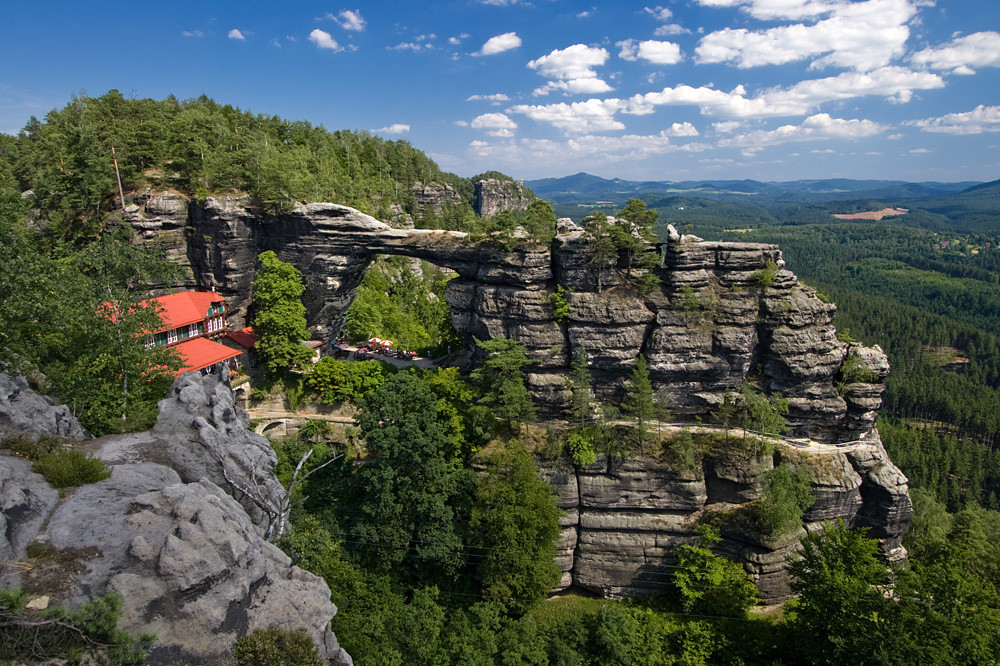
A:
x: 193, y: 330
x: 171, y: 336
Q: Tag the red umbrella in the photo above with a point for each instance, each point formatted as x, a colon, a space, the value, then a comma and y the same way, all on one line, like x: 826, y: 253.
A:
x: 375, y: 340
x: 387, y: 343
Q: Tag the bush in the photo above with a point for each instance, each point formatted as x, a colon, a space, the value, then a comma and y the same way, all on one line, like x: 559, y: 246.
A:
x: 580, y: 448
x: 56, y: 459
x: 87, y: 635
x: 276, y: 647
x: 560, y: 305
x: 68, y: 468
x: 765, y: 277
x: 787, y: 495
x: 682, y: 450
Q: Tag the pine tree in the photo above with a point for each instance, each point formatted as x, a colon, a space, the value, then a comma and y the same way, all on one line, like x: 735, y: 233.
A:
x: 639, y: 401
x: 580, y: 388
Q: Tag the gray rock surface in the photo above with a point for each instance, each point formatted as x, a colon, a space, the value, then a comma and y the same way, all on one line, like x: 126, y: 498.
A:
x: 493, y: 196
x: 25, y: 502
x: 711, y: 325
x: 186, y: 556
x: 624, y: 519
x: 200, y: 433
x: 24, y: 411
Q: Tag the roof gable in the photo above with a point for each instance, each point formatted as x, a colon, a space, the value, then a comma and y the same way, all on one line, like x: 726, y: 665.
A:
x: 183, y: 308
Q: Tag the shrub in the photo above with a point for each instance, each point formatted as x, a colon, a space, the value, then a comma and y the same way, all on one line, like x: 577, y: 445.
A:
x: 87, y: 635
x: 765, y: 277
x: 560, y: 305
x: 68, y: 468
x: 336, y: 381
x: 682, y: 451
x: 55, y: 458
x: 709, y: 584
x: 276, y: 647
x: 787, y: 495
x: 580, y: 448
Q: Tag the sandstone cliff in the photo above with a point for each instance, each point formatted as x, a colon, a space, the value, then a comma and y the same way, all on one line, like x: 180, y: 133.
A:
x: 725, y: 313
x: 624, y: 517
x: 493, y: 195
x: 167, y: 531
x: 711, y: 325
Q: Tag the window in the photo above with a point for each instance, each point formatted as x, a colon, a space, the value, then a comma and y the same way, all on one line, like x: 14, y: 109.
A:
x: 149, y: 343
x: 172, y: 336
x: 192, y: 330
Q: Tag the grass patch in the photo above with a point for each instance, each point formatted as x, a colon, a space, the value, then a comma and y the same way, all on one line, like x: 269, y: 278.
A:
x: 557, y: 610
x: 62, y: 462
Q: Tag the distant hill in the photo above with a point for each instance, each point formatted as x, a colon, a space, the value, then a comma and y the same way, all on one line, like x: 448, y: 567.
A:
x: 584, y: 188
x: 975, y: 209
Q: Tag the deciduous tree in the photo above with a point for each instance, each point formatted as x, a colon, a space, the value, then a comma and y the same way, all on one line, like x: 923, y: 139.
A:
x: 279, y: 320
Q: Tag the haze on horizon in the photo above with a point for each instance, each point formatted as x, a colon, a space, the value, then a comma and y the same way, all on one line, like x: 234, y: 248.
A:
x: 771, y: 90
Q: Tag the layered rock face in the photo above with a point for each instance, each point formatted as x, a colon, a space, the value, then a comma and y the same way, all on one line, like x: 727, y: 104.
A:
x: 724, y: 313
x: 624, y: 517
x: 169, y: 531
x: 493, y: 196
x: 718, y: 318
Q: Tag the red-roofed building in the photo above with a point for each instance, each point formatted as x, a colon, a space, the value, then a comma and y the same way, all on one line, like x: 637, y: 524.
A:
x: 201, y: 353
x: 193, y: 323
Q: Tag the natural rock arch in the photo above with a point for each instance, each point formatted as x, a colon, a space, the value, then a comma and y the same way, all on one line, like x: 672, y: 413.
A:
x: 712, y: 324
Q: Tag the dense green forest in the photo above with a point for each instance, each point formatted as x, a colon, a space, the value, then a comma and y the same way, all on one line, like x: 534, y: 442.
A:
x: 200, y: 147
x: 439, y: 551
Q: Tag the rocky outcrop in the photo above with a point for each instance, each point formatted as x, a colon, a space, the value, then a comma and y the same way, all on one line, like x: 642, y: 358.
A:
x: 24, y: 411
x: 161, y: 217
x: 435, y: 195
x: 724, y: 312
x: 493, y: 195
x: 623, y: 519
x: 171, y: 531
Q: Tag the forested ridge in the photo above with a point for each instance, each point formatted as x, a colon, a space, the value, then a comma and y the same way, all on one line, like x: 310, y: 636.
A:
x: 200, y: 147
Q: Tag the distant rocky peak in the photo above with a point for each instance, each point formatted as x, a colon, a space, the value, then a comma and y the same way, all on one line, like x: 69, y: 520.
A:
x: 494, y: 195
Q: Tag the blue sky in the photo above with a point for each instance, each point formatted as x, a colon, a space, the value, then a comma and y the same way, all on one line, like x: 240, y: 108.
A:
x: 763, y: 89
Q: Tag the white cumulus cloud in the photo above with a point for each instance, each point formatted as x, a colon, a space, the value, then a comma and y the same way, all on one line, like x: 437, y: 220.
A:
x: 493, y: 121
x: 659, y: 13
x: 978, y: 121
x: 499, y: 44
x: 236, y: 34
x: 350, y: 20
x: 571, y: 70
x: 671, y: 29
x: 323, y: 40
x: 785, y: 10
x: 594, y: 115
x: 496, y: 98
x: 819, y: 126
x: 857, y: 35
x: 896, y: 83
x: 962, y: 54
x: 395, y: 128
x: 658, y: 53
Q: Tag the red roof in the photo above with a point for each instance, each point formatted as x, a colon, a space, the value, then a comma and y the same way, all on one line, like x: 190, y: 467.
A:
x: 183, y: 308
x: 244, y: 337
x: 199, y: 353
